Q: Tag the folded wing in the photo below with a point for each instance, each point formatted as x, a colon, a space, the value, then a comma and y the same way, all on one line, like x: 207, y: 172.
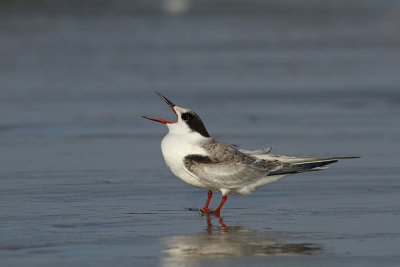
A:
x: 227, y: 167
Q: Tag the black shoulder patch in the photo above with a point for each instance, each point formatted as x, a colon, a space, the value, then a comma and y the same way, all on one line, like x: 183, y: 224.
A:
x: 198, y: 158
x: 193, y: 160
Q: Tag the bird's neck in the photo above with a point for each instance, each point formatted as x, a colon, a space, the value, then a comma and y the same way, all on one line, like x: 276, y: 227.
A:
x: 192, y: 138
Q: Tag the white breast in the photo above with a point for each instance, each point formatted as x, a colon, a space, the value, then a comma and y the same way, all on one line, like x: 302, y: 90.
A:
x: 174, y: 148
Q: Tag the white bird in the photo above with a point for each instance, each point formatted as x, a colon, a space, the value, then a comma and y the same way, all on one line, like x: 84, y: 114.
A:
x: 199, y: 160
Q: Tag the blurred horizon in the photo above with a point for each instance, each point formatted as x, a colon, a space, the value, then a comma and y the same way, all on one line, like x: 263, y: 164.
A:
x: 118, y: 49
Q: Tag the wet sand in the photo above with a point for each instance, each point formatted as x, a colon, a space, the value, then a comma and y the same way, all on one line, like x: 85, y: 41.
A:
x: 82, y: 179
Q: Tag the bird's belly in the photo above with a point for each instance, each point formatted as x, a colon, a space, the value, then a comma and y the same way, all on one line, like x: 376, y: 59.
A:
x: 174, y: 151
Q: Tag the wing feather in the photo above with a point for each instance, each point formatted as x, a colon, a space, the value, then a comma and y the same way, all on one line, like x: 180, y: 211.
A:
x: 227, y: 167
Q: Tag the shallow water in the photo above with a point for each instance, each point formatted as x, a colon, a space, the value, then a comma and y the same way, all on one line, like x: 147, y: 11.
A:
x: 82, y: 179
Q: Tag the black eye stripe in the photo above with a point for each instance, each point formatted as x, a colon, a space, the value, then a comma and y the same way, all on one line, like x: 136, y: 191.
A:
x: 187, y: 116
x: 194, y: 122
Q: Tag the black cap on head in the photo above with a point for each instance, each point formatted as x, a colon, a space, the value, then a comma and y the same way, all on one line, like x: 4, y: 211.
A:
x: 195, y: 123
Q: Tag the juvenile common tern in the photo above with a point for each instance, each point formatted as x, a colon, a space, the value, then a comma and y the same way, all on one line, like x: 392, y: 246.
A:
x: 199, y: 160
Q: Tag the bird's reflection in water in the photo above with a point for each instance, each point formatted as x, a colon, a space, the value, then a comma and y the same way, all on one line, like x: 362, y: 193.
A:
x: 220, y: 240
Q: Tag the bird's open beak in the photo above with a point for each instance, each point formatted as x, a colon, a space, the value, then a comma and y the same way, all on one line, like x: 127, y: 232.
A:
x: 170, y: 104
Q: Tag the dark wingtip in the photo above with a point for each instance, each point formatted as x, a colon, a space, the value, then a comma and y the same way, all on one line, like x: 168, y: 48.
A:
x: 353, y: 157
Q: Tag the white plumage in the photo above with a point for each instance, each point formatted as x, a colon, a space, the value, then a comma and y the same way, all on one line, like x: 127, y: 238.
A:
x: 197, y: 159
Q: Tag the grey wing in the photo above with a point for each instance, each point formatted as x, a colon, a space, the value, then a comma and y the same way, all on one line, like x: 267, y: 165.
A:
x: 257, y: 152
x: 227, y: 167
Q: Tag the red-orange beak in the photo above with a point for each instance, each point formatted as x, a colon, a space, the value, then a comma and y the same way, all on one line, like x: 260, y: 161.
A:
x: 170, y: 104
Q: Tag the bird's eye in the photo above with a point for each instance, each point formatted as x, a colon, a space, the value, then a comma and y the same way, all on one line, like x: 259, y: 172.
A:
x: 185, y: 116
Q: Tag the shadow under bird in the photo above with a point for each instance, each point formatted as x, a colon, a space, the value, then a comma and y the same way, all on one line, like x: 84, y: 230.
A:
x: 199, y: 160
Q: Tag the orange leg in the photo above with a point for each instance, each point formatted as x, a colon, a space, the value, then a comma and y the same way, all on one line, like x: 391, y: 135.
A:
x: 224, y: 198
x: 208, y: 201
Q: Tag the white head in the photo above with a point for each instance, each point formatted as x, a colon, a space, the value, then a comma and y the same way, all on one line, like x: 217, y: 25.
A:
x: 188, y: 122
